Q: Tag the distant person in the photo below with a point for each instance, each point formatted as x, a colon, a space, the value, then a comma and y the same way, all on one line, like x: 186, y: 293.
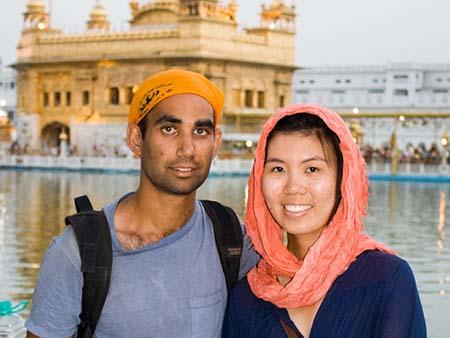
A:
x: 14, y: 149
x: 167, y: 279
x: 330, y: 280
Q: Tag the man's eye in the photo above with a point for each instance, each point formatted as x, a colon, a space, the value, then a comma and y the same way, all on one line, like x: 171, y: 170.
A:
x: 201, y: 131
x: 168, y: 129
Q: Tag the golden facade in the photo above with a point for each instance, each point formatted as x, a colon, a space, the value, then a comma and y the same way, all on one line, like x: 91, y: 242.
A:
x: 69, y: 79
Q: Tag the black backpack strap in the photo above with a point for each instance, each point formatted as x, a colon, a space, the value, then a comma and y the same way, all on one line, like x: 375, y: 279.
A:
x: 228, y: 236
x: 94, y: 242
x: 82, y: 203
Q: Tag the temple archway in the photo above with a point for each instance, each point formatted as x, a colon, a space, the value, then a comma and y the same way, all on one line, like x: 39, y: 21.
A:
x: 52, y: 134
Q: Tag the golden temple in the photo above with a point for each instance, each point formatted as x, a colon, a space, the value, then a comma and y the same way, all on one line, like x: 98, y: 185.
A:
x: 67, y: 82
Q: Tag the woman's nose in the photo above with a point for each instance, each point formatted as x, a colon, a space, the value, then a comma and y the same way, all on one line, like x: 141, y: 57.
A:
x: 295, y: 185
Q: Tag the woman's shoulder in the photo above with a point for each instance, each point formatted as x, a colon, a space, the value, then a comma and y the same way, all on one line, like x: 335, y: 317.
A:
x: 374, y: 267
x: 380, y: 260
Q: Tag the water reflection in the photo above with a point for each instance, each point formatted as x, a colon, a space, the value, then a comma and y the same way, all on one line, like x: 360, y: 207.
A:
x: 409, y: 217
x: 441, y: 223
x: 411, y: 230
x: 393, y: 202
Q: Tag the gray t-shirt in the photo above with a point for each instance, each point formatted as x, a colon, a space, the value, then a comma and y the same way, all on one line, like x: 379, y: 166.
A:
x: 172, y: 288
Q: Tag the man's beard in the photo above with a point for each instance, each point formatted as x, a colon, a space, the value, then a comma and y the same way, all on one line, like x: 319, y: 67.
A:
x: 176, y: 186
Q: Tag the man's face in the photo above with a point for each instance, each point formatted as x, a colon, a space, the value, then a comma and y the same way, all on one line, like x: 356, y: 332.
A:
x: 179, y: 144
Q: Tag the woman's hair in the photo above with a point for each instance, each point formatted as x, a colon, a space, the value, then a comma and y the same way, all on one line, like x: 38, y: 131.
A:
x: 309, y: 124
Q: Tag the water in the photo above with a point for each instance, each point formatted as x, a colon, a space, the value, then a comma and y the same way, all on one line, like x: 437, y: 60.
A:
x: 409, y: 217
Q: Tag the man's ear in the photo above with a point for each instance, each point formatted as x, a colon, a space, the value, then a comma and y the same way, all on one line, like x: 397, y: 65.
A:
x: 217, y: 140
x: 134, y: 139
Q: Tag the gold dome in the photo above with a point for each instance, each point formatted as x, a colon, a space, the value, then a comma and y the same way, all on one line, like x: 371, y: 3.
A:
x: 98, y: 10
x: 35, y: 17
x: 36, y: 3
x: 98, y: 18
x: 165, y: 1
x: 154, y: 12
x: 36, y: 6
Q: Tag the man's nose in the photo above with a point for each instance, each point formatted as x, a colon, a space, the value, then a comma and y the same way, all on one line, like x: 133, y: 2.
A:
x: 186, y: 147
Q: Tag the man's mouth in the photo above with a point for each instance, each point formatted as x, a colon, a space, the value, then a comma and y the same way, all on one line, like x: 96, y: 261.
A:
x: 183, y: 171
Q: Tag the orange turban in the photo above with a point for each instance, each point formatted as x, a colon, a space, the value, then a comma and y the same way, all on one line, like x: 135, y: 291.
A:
x: 172, y: 82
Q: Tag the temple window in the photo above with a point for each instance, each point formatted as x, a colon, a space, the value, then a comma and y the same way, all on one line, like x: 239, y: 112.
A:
x: 261, y: 99
x: 130, y: 94
x: 193, y: 9
x: 45, y: 99
x: 114, y: 95
x: 281, y: 101
x: 85, y: 97
x: 68, y: 98
x: 57, y: 99
x: 249, y: 98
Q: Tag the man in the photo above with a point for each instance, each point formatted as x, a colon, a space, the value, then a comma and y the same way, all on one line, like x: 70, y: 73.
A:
x: 167, y: 279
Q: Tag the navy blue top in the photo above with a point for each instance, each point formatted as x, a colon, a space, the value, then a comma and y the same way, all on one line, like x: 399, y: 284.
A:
x: 375, y: 297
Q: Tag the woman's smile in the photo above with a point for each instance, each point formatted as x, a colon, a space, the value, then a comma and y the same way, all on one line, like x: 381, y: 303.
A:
x: 296, y: 210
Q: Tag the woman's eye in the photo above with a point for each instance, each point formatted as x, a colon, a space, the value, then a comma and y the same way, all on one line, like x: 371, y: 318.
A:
x: 277, y: 169
x: 312, y: 170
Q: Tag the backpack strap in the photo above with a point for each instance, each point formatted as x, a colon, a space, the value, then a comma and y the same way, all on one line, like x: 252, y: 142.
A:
x: 94, y: 242
x: 228, y: 236
x: 82, y: 203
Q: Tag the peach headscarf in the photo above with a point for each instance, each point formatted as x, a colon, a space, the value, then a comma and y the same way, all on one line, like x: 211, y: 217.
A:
x: 340, y: 242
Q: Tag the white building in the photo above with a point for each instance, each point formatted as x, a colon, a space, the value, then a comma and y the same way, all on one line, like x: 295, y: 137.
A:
x: 411, y: 99
x: 7, y: 106
x: 8, y: 91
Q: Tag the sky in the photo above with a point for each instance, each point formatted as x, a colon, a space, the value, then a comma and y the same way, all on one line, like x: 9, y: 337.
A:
x: 329, y: 32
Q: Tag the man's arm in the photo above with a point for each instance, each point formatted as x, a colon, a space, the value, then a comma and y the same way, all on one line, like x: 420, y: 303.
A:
x: 249, y: 257
x: 31, y: 335
x: 57, y: 297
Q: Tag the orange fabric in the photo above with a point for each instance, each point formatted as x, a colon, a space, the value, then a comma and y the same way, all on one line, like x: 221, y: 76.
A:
x: 172, y: 82
x: 340, y: 242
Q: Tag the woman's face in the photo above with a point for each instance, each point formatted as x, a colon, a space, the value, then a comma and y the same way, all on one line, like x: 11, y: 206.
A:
x: 299, y: 184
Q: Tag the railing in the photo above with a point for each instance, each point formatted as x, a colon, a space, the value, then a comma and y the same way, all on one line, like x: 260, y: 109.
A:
x: 69, y: 163
x: 410, y: 169
x: 235, y: 166
x: 123, y: 164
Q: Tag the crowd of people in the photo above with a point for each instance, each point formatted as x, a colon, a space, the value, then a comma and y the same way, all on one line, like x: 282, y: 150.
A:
x: 432, y: 154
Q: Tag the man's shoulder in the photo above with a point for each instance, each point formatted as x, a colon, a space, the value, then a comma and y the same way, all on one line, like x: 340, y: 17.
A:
x: 203, y: 201
x: 65, y: 244
x: 220, y: 208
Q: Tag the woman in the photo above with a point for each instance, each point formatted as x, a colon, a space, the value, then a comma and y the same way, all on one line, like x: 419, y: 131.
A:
x: 309, y: 181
